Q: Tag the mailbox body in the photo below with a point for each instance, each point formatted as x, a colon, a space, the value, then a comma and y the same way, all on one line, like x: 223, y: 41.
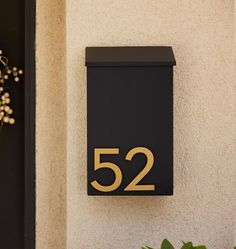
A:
x: 130, y: 105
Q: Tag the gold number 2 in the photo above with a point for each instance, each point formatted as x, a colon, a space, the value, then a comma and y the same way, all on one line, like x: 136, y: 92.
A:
x: 133, y: 186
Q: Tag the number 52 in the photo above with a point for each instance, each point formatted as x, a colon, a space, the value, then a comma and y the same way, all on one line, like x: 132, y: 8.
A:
x: 133, y: 186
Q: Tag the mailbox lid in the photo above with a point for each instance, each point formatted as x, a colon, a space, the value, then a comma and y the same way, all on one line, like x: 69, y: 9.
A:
x: 129, y: 56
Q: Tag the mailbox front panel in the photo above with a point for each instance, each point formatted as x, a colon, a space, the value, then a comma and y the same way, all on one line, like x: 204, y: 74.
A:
x: 130, y: 130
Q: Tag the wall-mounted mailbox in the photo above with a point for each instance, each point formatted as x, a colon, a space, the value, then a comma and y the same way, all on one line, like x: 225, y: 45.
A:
x: 130, y: 120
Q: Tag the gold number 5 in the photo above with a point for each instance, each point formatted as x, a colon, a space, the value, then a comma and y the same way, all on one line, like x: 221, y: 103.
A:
x: 108, y: 165
x: 133, y: 186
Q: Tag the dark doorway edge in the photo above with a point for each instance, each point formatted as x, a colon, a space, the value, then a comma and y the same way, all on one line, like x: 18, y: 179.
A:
x: 30, y: 15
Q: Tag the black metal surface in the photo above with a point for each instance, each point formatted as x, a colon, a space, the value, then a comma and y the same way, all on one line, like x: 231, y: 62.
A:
x: 17, y: 142
x: 131, y: 107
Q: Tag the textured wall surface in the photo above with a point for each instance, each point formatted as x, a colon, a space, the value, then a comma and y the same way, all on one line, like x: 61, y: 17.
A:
x: 51, y: 125
x: 234, y: 120
x: 201, y: 33
x: 202, y: 209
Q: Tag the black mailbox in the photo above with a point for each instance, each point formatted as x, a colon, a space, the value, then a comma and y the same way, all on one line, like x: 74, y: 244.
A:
x: 130, y: 120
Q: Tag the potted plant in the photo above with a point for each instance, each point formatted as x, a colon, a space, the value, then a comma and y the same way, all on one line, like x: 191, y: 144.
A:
x: 186, y: 245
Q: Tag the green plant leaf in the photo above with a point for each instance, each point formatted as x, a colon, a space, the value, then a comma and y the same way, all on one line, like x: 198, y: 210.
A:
x: 188, y: 245
x: 166, y: 244
x: 199, y: 247
x: 147, y: 247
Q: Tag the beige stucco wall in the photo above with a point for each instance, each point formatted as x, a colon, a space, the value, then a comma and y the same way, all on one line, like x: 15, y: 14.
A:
x: 202, y: 209
x: 50, y: 125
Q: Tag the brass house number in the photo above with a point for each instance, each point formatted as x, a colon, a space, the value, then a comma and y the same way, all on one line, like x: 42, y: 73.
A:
x: 130, y: 120
x: 134, y: 184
